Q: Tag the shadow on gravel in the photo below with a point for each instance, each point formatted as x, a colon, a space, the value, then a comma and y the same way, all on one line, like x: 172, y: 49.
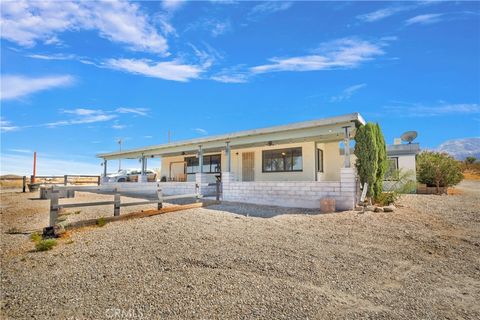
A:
x: 259, y: 211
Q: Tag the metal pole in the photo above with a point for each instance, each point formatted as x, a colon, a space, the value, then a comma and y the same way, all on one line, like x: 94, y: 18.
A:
x: 34, y: 167
x: 104, y: 167
x: 228, y: 156
x: 346, y: 140
x: 120, y: 150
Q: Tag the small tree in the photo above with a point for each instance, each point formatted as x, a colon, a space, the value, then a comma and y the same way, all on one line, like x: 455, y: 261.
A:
x: 469, y: 161
x: 367, y: 155
x: 438, y: 169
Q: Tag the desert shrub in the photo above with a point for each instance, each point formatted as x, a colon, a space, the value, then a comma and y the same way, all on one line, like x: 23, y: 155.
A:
x: 387, y: 198
x: 470, y: 160
x: 78, y: 212
x: 45, y: 245
x: 438, y: 169
x: 36, y: 237
x: 101, y: 222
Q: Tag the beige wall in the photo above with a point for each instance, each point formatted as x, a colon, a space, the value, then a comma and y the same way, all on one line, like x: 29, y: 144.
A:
x: 333, y: 161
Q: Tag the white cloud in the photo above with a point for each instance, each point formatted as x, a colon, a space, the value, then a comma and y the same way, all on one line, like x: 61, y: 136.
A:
x: 417, y: 110
x: 393, y: 10
x: 168, y: 70
x: 83, y: 112
x: 22, y: 165
x: 200, y: 131
x: 425, y: 19
x: 172, y: 5
x: 348, y: 92
x: 59, y: 56
x: 16, y: 86
x: 337, y: 54
x: 82, y: 116
x: 218, y: 28
x: 118, y: 126
x: 29, y: 22
x: 383, y: 13
x: 7, y: 126
x: 268, y: 7
x: 137, y: 111
x: 230, y: 78
x: 21, y: 150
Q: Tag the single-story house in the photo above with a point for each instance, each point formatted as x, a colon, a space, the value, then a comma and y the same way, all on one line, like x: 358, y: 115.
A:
x: 292, y: 165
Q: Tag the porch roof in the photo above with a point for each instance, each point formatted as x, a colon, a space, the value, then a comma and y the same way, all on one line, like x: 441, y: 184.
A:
x: 327, y: 129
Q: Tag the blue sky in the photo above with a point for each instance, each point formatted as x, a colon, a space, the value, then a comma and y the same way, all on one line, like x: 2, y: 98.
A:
x: 77, y: 76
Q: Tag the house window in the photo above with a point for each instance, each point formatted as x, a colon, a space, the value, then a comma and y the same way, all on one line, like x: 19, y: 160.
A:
x: 211, y: 164
x: 319, y: 160
x: 282, y: 160
x: 392, y: 169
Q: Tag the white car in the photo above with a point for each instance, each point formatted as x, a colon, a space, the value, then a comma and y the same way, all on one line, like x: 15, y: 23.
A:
x: 131, y: 175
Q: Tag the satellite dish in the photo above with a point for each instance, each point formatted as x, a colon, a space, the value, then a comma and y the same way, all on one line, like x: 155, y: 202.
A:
x: 409, y: 136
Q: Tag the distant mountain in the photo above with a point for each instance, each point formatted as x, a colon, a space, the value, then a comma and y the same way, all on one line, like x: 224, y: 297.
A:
x: 462, y: 148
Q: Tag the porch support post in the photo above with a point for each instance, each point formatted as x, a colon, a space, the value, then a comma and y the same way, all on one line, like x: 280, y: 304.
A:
x: 142, y: 177
x: 104, y: 178
x: 228, y: 155
x: 200, y: 158
x: 346, y: 142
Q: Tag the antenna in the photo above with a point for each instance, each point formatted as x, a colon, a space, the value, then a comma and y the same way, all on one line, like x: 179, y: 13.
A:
x: 119, y: 141
x: 409, y: 136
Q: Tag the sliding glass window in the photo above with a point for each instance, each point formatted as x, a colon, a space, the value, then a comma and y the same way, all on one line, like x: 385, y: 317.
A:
x: 282, y: 160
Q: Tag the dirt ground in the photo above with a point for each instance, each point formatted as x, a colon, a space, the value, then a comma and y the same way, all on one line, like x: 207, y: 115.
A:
x: 220, y: 262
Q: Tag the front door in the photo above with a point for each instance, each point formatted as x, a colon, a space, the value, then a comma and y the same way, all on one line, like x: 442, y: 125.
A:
x: 248, y: 166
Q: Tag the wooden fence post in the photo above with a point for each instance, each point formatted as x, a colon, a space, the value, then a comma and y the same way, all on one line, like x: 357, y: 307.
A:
x: 53, y: 206
x: 160, y: 197
x: 98, y: 180
x: 65, y: 180
x: 24, y: 184
x: 116, y: 205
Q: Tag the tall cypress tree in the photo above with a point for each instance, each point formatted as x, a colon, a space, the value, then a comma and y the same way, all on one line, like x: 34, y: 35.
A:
x: 382, y: 161
x: 366, y: 152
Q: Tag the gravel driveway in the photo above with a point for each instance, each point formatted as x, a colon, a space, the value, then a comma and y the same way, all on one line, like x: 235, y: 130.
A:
x: 220, y: 262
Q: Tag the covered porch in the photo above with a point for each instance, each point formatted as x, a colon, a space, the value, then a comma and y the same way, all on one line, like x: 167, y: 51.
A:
x: 290, y: 165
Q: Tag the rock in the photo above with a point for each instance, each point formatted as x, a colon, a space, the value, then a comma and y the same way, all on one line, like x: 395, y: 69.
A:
x: 389, y: 208
x: 358, y: 208
x: 370, y: 208
x: 378, y: 209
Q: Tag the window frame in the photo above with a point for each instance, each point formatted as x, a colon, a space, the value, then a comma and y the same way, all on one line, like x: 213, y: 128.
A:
x: 264, y: 152
x: 394, y: 178
x: 209, y: 156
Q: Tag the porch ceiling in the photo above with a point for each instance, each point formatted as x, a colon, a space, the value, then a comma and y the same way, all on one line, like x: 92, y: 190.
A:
x: 330, y: 129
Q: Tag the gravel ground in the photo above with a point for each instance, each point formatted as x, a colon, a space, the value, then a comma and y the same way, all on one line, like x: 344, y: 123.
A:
x: 422, y: 261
